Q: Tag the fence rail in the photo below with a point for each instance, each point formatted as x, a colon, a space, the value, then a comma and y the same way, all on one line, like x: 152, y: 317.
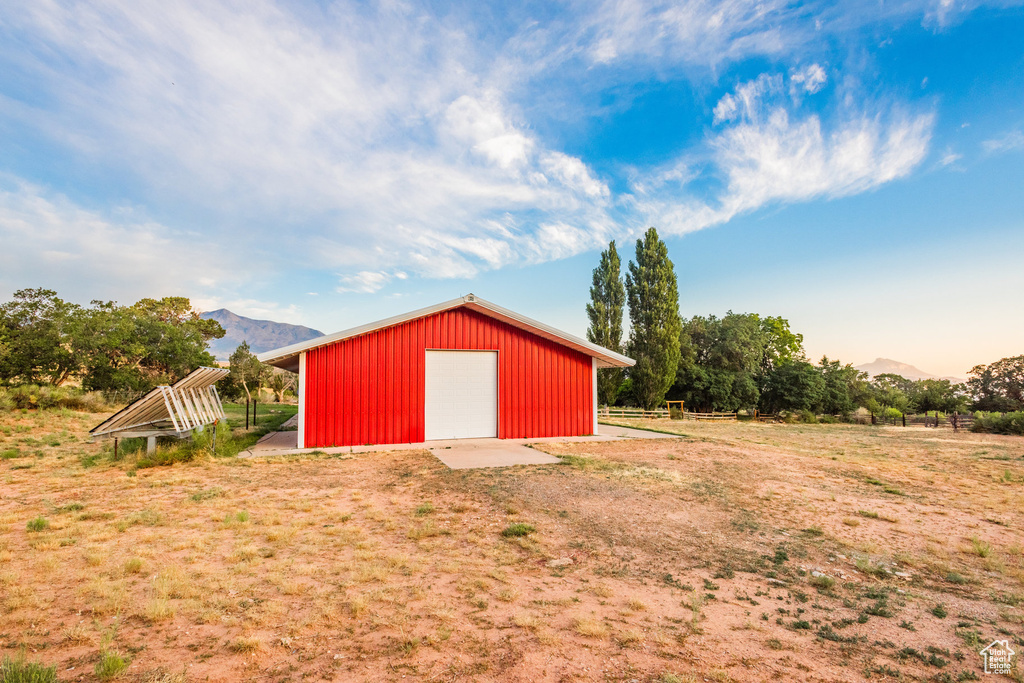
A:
x: 955, y: 421
x: 661, y: 413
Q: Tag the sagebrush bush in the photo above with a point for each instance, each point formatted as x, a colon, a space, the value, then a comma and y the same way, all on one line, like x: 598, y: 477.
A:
x: 996, y: 423
x: 44, y: 397
x: 20, y: 670
x: 111, y: 665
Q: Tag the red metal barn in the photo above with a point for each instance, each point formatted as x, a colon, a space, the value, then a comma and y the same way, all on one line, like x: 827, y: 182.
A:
x: 462, y: 369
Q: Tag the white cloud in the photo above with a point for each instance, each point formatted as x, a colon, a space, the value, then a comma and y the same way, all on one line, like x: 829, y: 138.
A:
x: 371, y: 124
x: 49, y: 241
x: 574, y: 175
x: 809, y: 79
x: 746, y: 101
x: 950, y: 157
x: 483, y: 125
x: 251, y: 308
x: 777, y: 156
x: 1011, y: 141
x: 364, y: 282
x: 780, y: 159
x: 380, y: 141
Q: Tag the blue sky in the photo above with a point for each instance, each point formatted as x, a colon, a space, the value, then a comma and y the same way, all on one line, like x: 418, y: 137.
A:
x: 855, y: 167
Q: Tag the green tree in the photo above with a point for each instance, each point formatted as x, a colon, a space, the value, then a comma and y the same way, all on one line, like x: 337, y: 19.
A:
x: 654, y: 314
x: 845, y: 387
x: 38, y: 333
x: 280, y: 382
x: 778, y: 345
x: 998, y: 387
x: 151, y: 342
x: 725, y: 361
x: 719, y: 361
x: 175, y: 335
x: 938, y: 394
x: 793, y: 385
x: 607, y: 297
x: 891, y: 391
x: 114, y: 350
x: 248, y: 371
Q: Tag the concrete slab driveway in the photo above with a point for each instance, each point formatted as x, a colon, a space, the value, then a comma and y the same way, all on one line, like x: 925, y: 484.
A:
x: 458, y: 454
x: 471, y: 453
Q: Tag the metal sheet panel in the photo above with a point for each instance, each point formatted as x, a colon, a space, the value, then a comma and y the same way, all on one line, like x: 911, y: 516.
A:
x: 370, y: 389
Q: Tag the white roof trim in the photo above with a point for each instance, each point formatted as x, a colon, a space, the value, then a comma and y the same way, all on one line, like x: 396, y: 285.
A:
x: 287, y: 356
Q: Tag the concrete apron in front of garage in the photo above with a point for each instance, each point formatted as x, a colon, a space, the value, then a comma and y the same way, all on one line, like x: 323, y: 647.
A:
x: 458, y: 454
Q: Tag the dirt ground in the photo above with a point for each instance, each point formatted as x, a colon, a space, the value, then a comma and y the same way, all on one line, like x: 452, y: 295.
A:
x: 736, y: 552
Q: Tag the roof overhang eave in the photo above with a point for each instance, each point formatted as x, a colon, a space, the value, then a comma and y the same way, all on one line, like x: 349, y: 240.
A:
x: 287, y: 358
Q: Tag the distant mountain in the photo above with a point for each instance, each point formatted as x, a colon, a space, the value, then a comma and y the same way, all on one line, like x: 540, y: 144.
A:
x: 262, y: 335
x: 883, y: 366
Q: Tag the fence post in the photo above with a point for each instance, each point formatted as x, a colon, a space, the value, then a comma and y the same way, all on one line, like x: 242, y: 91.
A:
x: 247, y: 412
x: 904, y: 419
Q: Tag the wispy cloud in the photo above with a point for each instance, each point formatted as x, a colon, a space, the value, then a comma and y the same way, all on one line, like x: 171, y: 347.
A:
x: 388, y: 140
x: 1010, y: 141
x: 50, y: 241
x: 949, y: 157
x: 773, y: 152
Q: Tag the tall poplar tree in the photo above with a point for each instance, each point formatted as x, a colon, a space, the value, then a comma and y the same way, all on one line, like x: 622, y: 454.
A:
x: 607, y: 297
x: 654, y: 313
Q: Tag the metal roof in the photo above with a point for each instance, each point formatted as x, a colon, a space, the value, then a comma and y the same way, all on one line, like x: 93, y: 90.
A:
x: 288, y: 357
x: 191, y: 402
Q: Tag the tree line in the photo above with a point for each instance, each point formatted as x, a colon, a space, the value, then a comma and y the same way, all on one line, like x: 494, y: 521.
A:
x: 747, y: 361
x: 104, y: 346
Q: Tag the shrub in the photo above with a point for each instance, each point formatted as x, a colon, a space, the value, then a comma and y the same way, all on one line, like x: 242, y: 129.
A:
x: 996, y: 423
x: 110, y: 665
x: 200, y: 445
x: 424, y: 509
x: 44, y: 396
x: 18, y: 670
x: 38, y: 524
x: 822, y: 582
x: 517, y: 529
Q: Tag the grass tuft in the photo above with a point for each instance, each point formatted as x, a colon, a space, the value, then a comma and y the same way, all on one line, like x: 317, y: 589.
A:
x: 20, y: 670
x: 517, y: 529
x: 111, y: 665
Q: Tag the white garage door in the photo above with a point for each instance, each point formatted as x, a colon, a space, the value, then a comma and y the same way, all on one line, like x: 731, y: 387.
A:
x: 461, y: 394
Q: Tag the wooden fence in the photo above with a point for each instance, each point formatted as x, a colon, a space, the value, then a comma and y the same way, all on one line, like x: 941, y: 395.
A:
x: 955, y: 421
x: 661, y: 413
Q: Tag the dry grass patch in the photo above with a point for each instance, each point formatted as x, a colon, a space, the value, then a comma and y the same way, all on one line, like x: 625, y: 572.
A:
x: 636, y: 604
x: 677, y: 545
x: 590, y: 627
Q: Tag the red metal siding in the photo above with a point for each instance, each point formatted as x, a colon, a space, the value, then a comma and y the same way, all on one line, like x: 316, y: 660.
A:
x: 370, y: 389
